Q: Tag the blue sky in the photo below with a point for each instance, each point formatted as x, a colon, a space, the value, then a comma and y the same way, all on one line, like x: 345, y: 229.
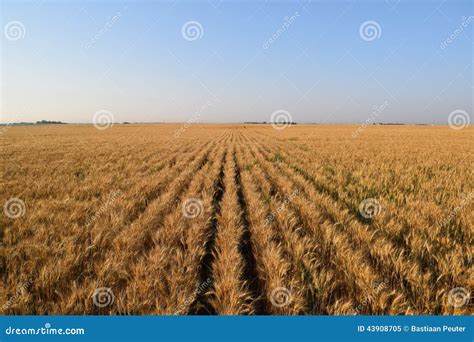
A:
x: 132, y: 59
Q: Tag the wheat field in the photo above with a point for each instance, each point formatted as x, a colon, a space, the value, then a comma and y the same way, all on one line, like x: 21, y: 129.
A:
x: 236, y: 220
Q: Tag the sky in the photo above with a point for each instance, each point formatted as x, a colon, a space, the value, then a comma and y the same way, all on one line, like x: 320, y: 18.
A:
x: 406, y: 61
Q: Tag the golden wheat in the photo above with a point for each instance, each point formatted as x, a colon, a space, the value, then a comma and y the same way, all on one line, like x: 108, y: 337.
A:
x: 237, y: 219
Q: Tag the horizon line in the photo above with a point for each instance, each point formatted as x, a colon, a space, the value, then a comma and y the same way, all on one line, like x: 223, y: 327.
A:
x: 59, y: 123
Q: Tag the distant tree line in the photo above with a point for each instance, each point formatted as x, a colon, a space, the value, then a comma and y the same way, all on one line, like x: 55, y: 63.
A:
x: 42, y: 122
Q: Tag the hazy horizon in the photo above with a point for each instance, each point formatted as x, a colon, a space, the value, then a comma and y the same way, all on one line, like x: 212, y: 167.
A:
x: 375, y: 123
x: 385, y: 61
x: 37, y: 122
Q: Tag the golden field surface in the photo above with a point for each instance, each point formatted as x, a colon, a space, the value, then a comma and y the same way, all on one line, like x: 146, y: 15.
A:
x: 237, y: 219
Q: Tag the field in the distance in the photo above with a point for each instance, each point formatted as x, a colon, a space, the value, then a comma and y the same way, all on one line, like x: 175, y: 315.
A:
x: 236, y: 219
